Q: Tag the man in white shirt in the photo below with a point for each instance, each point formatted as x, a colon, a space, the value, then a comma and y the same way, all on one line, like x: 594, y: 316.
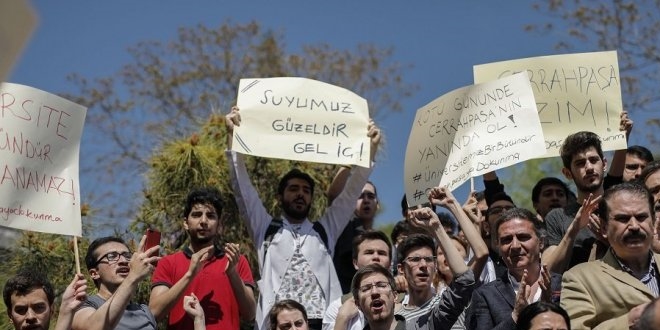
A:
x: 295, y: 255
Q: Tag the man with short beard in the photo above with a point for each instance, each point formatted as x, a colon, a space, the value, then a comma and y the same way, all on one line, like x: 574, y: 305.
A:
x: 220, y: 277
x: 571, y: 237
x: 611, y: 293
x: 295, y: 255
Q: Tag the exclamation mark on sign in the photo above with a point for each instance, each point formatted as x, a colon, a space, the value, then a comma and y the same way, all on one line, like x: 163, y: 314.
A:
x: 513, y: 121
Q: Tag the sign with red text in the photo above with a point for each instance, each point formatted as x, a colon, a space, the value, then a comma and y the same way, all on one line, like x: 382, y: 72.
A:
x: 17, y: 22
x: 471, y: 131
x: 39, y: 143
x: 573, y: 92
x: 302, y: 119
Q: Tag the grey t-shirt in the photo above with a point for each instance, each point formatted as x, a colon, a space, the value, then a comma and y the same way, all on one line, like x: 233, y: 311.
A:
x: 557, y: 222
x: 136, y: 316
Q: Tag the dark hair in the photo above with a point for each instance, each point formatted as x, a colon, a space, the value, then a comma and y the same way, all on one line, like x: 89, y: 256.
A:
x: 373, y: 185
x: 446, y: 220
x: 91, y: 256
x: 368, y: 270
x: 647, y: 319
x: 404, y: 206
x: 24, y: 282
x: 480, y: 195
x: 400, y: 228
x: 520, y: 213
x: 205, y: 196
x: 498, y: 196
x: 632, y: 187
x: 294, y: 174
x: 532, y: 310
x: 371, y: 235
x: 650, y: 168
x: 579, y: 142
x: 548, y: 181
x: 286, y: 304
x: 640, y: 152
x: 415, y: 241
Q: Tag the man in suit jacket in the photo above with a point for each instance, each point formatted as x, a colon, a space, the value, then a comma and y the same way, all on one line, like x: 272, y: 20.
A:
x: 496, y: 305
x: 612, y: 292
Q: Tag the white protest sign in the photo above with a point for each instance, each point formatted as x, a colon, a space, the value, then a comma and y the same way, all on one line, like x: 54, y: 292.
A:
x: 17, y: 22
x: 573, y: 92
x: 302, y: 119
x: 471, y: 131
x: 39, y: 143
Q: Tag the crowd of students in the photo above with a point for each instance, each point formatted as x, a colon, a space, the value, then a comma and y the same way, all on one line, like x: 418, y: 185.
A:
x: 584, y: 259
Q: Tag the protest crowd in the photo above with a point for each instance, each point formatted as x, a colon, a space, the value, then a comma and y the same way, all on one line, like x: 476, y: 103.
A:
x: 584, y: 259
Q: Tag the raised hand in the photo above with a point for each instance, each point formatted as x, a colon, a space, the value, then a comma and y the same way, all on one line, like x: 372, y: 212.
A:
x: 232, y: 251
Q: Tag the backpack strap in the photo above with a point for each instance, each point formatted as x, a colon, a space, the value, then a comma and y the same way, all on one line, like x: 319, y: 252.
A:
x: 276, y: 224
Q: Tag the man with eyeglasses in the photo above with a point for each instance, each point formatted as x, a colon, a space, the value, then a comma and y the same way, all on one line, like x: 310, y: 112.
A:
x: 423, y: 306
x: 116, y: 273
x: 373, y: 292
x: 611, y: 293
x: 362, y: 221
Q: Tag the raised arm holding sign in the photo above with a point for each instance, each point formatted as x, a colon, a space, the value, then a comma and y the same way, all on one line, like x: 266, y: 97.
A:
x: 302, y: 119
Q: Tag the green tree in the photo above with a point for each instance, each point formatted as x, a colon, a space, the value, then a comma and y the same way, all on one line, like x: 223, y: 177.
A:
x: 170, y: 88
x: 161, y: 114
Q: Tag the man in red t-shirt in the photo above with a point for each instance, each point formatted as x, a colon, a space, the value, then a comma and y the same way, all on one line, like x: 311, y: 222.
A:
x: 220, y: 278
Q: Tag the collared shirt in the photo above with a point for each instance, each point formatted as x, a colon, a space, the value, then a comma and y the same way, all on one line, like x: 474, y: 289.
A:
x: 650, y: 279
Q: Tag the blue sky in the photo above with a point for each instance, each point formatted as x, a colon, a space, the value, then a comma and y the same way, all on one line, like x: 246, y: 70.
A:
x: 441, y: 39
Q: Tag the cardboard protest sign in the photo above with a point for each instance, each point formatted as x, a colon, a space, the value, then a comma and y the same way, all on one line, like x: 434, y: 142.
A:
x: 573, y: 92
x: 17, y: 22
x: 302, y: 119
x: 471, y: 131
x: 39, y: 143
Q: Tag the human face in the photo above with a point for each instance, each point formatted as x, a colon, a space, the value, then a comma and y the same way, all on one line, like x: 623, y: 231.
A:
x: 443, y: 265
x: 367, y: 203
x: 296, y: 199
x: 519, y: 245
x: 552, y: 196
x: 377, y: 304
x: 110, y: 274
x: 419, y: 275
x: 202, y: 224
x: 587, y: 170
x: 548, y: 321
x: 633, y: 168
x: 652, y: 183
x: 494, y: 213
x: 372, y: 251
x: 629, y: 227
x: 291, y: 319
x: 30, y: 311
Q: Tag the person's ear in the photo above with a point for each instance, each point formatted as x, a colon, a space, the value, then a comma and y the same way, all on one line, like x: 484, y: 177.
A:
x: 567, y: 173
x: 185, y: 223
x: 355, y: 264
x: 604, y: 165
x: 94, y: 274
x: 399, y: 268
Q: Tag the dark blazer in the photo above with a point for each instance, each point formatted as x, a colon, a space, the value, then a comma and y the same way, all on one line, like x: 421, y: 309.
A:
x: 492, y: 304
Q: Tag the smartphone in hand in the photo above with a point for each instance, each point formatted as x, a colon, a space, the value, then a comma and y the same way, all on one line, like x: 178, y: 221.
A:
x: 153, y: 239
